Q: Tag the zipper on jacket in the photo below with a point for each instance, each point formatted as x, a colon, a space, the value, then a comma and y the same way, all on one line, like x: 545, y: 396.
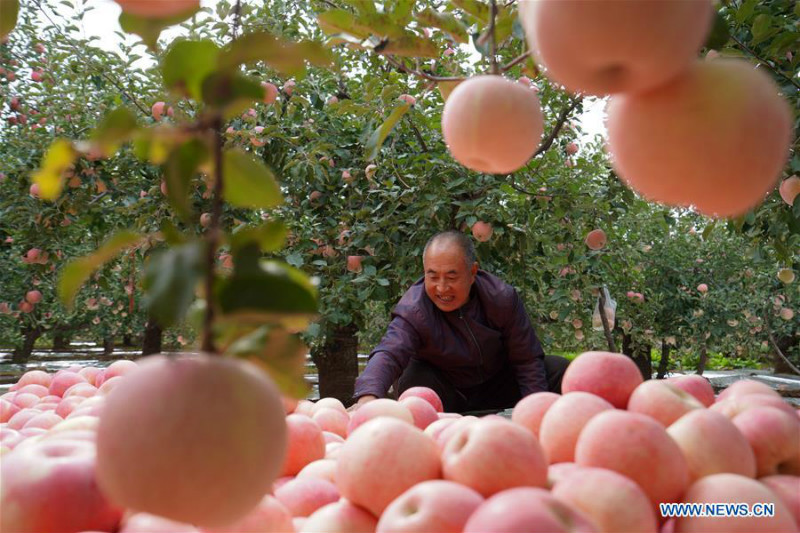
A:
x: 480, y: 352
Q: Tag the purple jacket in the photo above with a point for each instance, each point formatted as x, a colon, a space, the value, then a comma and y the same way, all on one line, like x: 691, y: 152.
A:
x: 470, y: 345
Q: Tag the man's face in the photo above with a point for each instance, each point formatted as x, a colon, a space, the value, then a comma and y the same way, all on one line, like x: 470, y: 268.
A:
x: 447, y: 278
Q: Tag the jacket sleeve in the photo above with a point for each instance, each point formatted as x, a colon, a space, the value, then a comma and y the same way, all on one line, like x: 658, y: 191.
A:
x: 388, y: 360
x: 524, y: 350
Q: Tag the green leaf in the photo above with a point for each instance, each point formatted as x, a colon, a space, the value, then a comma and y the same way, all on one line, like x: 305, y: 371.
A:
x: 57, y: 160
x: 746, y: 11
x: 230, y: 92
x: 115, y: 129
x: 269, y: 237
x: 401, y: 13
x: 378, y: 136
x: 75, y: 274
x: 279, y: 353
x: 286, y: 57
x: 719, y: 34
x: 9, y: 9
x: 477, y: 9
x: 341, y: 21
x: 186, y: 64
x: 267, y: 292
x: 150, y: 29
x: 179, y: 169
x: 409, y: 45
x: 170, y: 278
x: 247, y: 182
x: 446, y: 22
x: 762, y: 28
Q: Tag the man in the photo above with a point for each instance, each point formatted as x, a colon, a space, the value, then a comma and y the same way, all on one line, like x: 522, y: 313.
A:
x: 463, y: 333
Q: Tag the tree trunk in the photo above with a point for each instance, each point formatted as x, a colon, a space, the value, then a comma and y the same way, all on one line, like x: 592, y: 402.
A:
x: 337, y: 363
x: 151, y: 342
x: 61, y: 340
x: 127, y: 340
x: 663, y: 365
x: 640, y: 353
x: 701, y: 364
x: 22, y: 353
x: 779, y: 366
x: 108, y: 345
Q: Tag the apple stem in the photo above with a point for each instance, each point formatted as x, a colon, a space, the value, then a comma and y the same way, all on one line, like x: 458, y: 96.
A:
x: 212, y: 238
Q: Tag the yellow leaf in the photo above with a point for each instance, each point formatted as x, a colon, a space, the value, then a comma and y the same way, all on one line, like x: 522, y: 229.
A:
x: 50, y: 176
x: 446, y: 87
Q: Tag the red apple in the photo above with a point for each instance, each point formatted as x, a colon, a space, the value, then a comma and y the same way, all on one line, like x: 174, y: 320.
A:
x: 427, y: 394
x: 611, y: 376
x: 436, y: 505
x: 306, y: 444
x: 482, y: 231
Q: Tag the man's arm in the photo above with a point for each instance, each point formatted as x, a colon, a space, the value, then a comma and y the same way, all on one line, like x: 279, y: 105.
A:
x: 524, y: 350
x: 388, y: 360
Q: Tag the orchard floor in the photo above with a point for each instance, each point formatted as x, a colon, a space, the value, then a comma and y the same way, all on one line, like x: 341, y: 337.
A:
x: 89, y: 354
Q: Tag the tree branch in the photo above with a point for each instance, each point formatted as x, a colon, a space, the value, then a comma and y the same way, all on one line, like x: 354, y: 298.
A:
x: 764, y: 62
x: 516, y: 61
x: 562, y: 118
x: 424, y: 75
x: 775, y: 344
x: 417, y: 134
x: 492, y: 40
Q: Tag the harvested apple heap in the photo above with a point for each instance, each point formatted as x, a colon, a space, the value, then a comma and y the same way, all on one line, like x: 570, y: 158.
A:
x: 714, y: 135
x: 219, y: 456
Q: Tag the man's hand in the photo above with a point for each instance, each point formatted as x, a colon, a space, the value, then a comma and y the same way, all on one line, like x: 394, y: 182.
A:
x: 361, y: 401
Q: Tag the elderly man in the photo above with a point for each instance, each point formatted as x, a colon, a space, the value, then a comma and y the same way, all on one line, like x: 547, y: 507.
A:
x: 463, y: 333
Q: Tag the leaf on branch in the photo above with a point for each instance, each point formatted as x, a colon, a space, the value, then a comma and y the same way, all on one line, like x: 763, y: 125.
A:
x: 269, y: 237
x: 286, y: 57
x: 156, y: 144
x: 408, y: 45
x: 150, y: 29
x: 170, y: 278
x: 719, y: 34
x: 446, y: 87
x: 230, y: 92
x: 50, y: 175
x: 75, y: 274
x: 446, y: 22
x: 266, y: 292
x: 279, y: 353
x: 9, y: 10
x: 186, y: 64
x: 475, y: 8
x: 248, y: 182
x: 116, y: 128
x: 179, y: 169
x: 338, y: 21
x: 378, y: 136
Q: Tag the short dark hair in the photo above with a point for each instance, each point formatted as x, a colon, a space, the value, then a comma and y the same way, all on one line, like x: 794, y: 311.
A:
x: 457, y: 238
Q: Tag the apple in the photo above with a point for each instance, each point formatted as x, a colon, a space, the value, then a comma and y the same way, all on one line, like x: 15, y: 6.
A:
x: 571, y: 148
x: 702, y: 288
x: 63, y: 381
x: 354, y: 263
x: 376, y: 408
x: 306, y: 444
x: 205, y: 220
x: 596, y: 239
x: 370, y: 170
x: 493, y: 455
x: 786, y: 275
x: 37, y: 75
x: 158, y: 110
x: 304, y: 496
x: 774, y: 437
x: 427, y: 394
x: 646, y: 443
x: 35, y: 190
x: 482, y: 231
x: 382, y: 459
x: 491, y: 124
x: 319, y: 469
x: 662, y: 401
x: 50, y: 486
x: 288, y: 87
x: 733, y: 489
x: 158, y: 10
x: 659, y: 144
x: 408, y: 99
x: 609, y: 500
x: 696, y: 385
x: 339, y: 517
x: 270, y: 92
x: 712, y: 444
x: 35, y: 377
x: 789, y: 189
x: 346, y: 176
x: 33, y: 297
x: 332, y: 420
x: 436, y: 505
x: 786, y: 313
x: 529, y: 510
x: 179, y: 464
x: 745, y: 387
x: 787, y: 488
x: 423, y: 412
x: 149, y: 523
x: 330, y: 403
x: 612, y: 376
x: 603, y: 48
x: 733, y: 405
x: 565, y: 420
x: 332, y: 100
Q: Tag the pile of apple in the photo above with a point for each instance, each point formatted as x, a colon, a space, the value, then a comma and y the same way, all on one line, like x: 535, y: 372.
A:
x: 202, y: 443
